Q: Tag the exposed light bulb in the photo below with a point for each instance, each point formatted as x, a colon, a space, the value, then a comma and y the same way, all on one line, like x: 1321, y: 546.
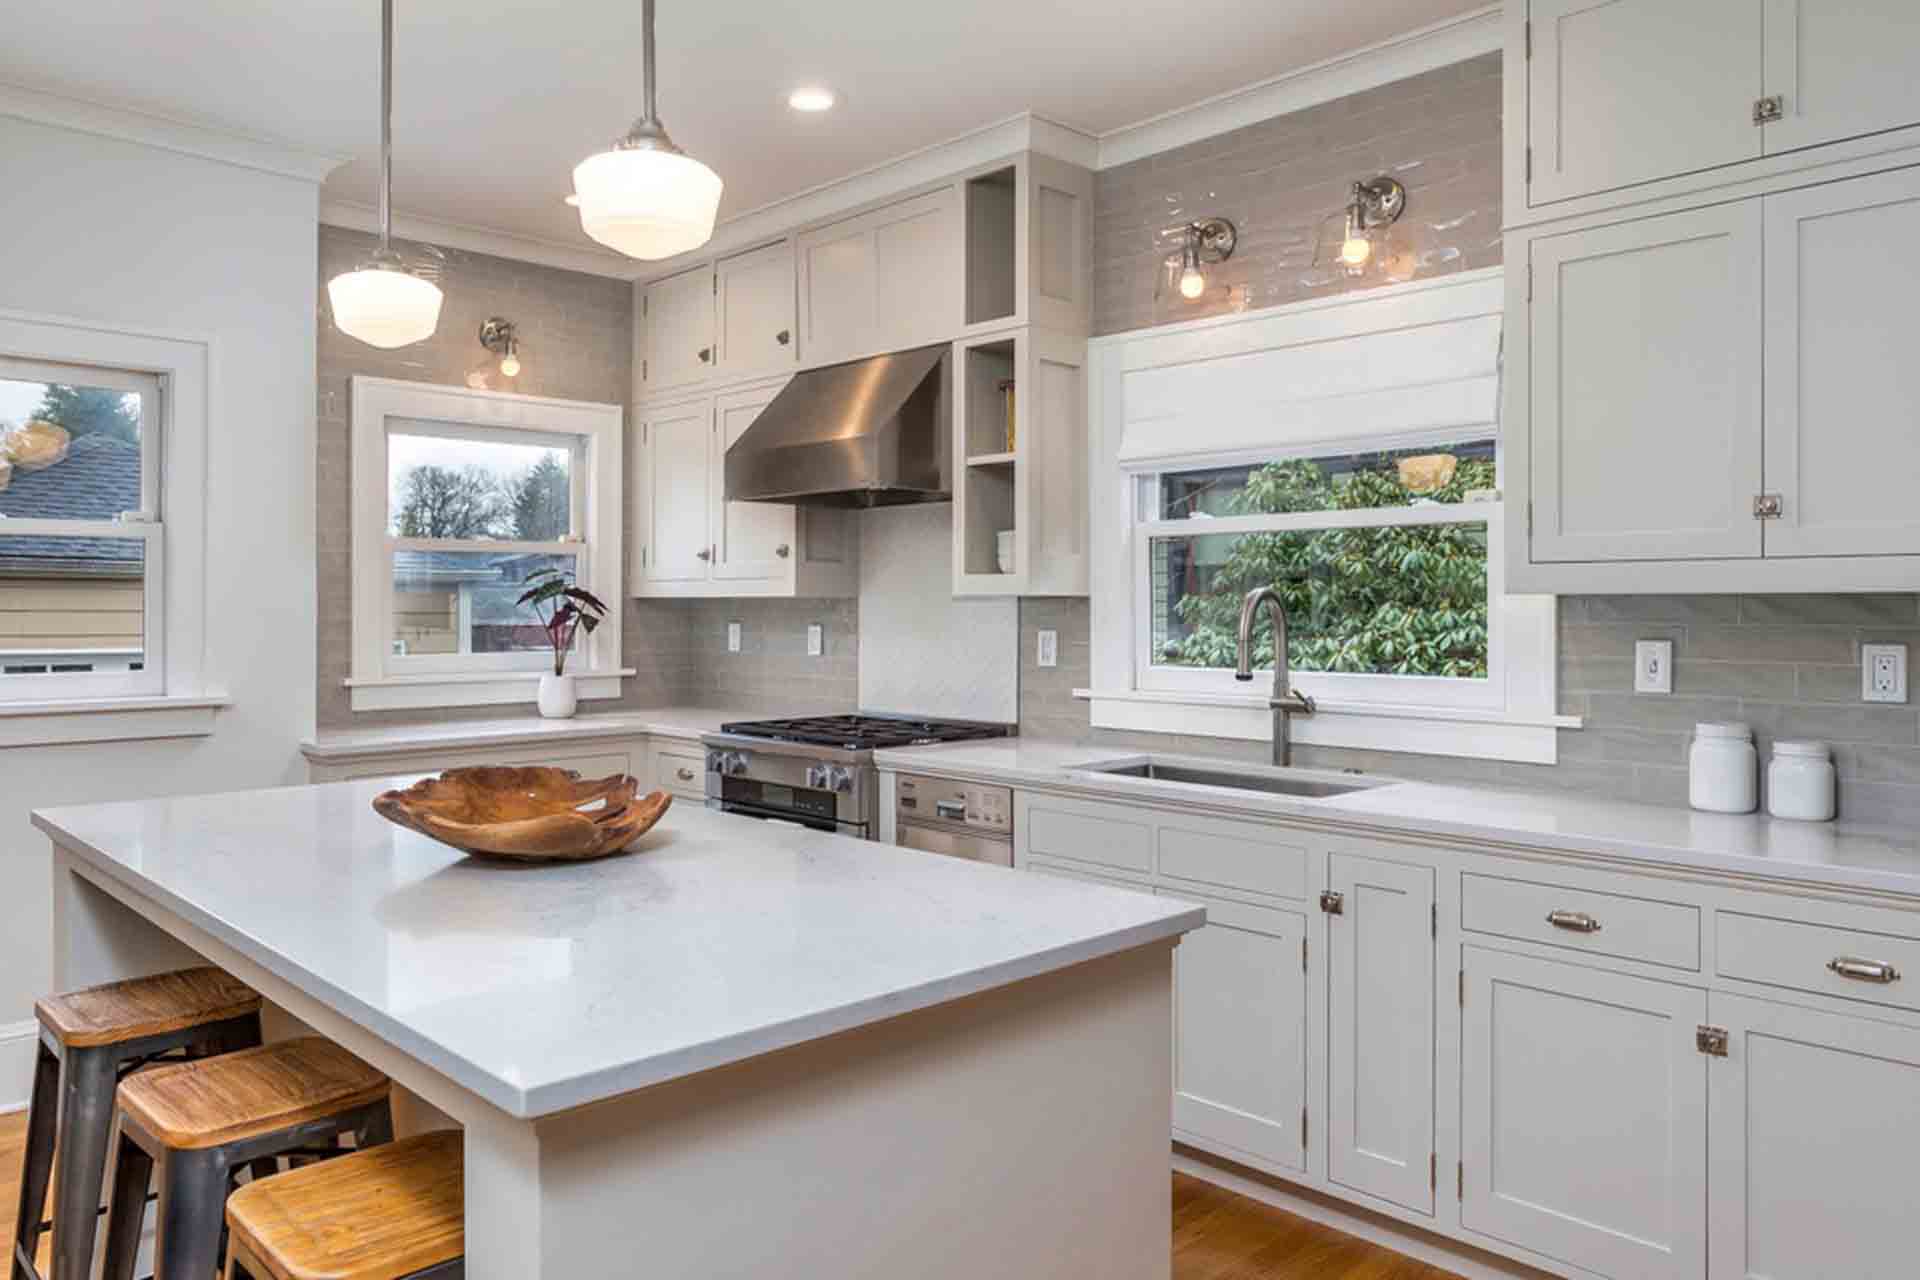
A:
x: 1192, y: 283
x: 1356, y: 250
x: 510, y: 364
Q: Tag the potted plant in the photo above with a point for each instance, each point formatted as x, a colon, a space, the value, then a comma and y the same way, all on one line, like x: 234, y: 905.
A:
x: 563, y: 609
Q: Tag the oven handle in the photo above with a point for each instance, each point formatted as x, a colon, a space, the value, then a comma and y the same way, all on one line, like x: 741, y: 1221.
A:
x: 782, y: 816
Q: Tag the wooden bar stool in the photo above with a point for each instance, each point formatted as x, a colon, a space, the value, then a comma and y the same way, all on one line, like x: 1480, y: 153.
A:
x: 202, y: 1122
x: 90, y: 1040
x: 393, y: 1213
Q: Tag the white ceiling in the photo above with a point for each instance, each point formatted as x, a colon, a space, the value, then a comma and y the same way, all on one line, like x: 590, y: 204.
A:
x: 496, y: 100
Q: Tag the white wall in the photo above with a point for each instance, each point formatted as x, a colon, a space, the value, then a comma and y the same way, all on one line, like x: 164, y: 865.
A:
x: 111, y: 231
x: 923, y: 652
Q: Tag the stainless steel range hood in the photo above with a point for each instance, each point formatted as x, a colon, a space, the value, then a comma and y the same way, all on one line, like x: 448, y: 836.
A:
x: 868, y: 433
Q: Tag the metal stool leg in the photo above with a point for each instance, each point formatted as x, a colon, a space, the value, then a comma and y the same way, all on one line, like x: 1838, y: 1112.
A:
x: 88, y: 1078
x: 376, y: 1130
x: 37, y: 1166
x: 127, y: 1210
x: 193, y: 1198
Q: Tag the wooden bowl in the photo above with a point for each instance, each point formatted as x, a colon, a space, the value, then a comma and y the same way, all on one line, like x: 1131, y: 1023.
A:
x: 526, y: 814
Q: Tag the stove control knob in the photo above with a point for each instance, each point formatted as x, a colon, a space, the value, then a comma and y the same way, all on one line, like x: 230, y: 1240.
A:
x: 727, y: 763
x: 830, y: 777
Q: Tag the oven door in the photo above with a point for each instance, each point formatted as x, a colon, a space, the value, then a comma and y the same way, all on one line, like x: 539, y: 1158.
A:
x: 807, y: 807
x: 955, y: 842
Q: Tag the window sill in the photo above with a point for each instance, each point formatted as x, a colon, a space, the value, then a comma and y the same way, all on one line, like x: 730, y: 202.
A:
x: 1438, y: 731
x: 59, y: 722
x: 472, y: 689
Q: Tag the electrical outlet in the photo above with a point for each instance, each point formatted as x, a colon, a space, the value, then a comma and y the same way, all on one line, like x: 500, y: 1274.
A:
x: 1049, y: 655
x: 733, y: 637
x: 1883, y: 672
x: 816, y: 640
x: 1653, y: 666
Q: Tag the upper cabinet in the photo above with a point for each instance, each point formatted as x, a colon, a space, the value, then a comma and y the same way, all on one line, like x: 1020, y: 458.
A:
x: 1620, y: 94
x: 882, y: 280
x: 729, y: 320
x: 678, y: 315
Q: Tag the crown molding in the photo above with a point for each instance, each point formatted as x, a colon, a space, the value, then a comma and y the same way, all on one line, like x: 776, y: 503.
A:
x: 499, y: 244
x: 165, y: 134
x: 1443, y: 43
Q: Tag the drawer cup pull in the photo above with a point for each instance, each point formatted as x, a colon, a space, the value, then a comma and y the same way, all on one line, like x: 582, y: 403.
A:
x: 1864, y: 970
x: 1573, y: 921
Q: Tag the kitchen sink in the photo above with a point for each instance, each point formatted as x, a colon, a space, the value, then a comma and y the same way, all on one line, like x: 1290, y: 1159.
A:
x: 1302, y: 784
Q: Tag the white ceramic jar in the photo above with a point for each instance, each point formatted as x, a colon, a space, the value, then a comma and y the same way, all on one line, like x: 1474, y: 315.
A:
x: 1800, y: 781
x: 1723, y: 769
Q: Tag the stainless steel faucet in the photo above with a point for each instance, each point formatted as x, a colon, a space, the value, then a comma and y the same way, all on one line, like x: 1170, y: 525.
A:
x: 1286, y: 701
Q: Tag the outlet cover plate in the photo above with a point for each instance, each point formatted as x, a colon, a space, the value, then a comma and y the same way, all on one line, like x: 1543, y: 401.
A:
x: 1653, y: 666
x: 1883, y: 672
x: 733, y: 637
x: 1049, y: 648
x: 816, y: 640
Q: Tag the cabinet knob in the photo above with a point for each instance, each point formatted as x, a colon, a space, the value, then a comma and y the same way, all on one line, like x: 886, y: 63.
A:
x: 1573, y: 921
x: 705, y: 553
x: 683, y: 773
x: 783, y: 337
x: 706, y: 355
x: 783, y: 551
x: 1769, y: 109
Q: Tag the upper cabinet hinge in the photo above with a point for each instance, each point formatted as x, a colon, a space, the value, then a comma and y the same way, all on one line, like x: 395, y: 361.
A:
x: 1463, y: 988
x: 1527, y: 36
x: 643, y: 370
x: 1436, y: 919
x: 1529, y: 164
x: 1433, y: 1170
x: 1529, y: 282
x: 716, y: 284
x: 1303, y: 955
x: 646, y: 303
x: 1769, y: 109
x: 1460, y: 1180
x: 1529, y: 518
x: 1303, y: 1128
x: 1711, y: 1041
x: 1768, y: 506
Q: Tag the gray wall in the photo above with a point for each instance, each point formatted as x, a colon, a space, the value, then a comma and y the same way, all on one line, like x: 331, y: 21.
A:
x: 772, y: 673
x: 576, y: 344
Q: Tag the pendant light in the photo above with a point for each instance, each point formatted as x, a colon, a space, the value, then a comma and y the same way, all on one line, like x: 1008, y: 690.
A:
x: 645, y: 197
x: 383, y: 304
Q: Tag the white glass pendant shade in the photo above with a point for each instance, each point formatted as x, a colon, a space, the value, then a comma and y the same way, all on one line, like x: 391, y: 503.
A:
x: 646, y: 202
x: 384, y: 307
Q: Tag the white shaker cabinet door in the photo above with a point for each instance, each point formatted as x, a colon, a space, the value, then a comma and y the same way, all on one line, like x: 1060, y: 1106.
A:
x: 1380, y: 1031
x: 1841, y: 68
x: 1621, y: 92
x: 1843, y: 383
x: 679, y: 324
x: 753, y: 310
x: 675, y: 475
x: 881, y: 280
x: 1584, y: 1116
x: 1813, y: 1135
x: 752, y: 541
x: 1645, y: 406
x: 1240, y: 1033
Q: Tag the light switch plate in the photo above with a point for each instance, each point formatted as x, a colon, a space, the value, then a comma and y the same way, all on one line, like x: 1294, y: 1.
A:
x: 1653, y: 666
x: 1883, y: 672
x: 733, y: 637
x: 1049, y: 655
x: 816, y: 640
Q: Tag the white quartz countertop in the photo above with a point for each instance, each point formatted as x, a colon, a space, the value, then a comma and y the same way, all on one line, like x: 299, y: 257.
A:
x: 513, y: 731
x: 1819, y: 853
x: 542, y: 988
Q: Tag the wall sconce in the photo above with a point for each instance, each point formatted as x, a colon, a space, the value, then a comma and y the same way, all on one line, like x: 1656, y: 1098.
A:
x: 502, y: 339
x: 1375, y: 204
x: 1206, y: 240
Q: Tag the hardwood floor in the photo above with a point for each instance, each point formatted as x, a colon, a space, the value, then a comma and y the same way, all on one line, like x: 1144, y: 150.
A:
x: 1217, y: 1235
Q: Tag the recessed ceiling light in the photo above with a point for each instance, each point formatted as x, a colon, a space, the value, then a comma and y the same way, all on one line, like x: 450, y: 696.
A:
x: 811, y: 98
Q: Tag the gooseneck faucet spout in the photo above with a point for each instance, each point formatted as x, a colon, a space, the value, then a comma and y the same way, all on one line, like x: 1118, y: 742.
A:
x: 1285, y: 700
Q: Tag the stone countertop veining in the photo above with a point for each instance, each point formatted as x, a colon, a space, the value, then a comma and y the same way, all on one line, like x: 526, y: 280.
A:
x: 542, y: 988
x: 510, y: 731
x: 1816, y: 853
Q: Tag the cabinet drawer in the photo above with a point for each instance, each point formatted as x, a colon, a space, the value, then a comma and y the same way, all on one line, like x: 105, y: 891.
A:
x: 1086, y: 833
x: 1663, y: 933
x: 1233, y: 856
x: 681, y: 773
x: 1884, y: 967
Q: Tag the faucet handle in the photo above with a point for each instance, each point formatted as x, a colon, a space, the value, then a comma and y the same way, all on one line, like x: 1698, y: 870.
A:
x: 1306, y: 702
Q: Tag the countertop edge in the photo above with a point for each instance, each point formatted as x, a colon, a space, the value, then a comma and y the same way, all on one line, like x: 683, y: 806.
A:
x: 399, y: 740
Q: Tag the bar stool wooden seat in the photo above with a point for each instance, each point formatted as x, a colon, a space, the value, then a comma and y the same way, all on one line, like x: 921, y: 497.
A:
x: 393, y: 1213
x: 89, y: 1040
x: 201, y: 1122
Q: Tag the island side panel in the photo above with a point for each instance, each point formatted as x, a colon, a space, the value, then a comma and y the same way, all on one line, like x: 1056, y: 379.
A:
x: 97, y: 939
x: 1022, y: 1132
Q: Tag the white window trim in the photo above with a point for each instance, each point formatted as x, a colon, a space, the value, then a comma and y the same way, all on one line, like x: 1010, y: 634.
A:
x: 176, y: 702
x: 1513, y: 715
x: 379, y: 681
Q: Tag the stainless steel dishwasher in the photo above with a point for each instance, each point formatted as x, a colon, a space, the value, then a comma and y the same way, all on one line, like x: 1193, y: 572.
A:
x: 958, y: 819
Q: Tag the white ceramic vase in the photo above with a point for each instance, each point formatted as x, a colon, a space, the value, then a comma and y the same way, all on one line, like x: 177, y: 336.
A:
x: 558, y: 697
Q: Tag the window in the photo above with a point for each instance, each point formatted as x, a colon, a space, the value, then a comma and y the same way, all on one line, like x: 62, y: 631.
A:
x: 460, y: 495
x: 80, y: 536
x: 1380, y: 555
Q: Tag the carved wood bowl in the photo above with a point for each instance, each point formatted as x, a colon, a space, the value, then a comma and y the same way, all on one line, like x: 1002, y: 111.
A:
x: 533, y: 814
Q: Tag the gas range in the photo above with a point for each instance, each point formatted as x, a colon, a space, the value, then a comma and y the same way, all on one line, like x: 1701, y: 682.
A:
x: 818, y: 770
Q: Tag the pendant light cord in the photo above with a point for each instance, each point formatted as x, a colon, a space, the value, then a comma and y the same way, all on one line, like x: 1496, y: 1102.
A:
x: 386, y: 122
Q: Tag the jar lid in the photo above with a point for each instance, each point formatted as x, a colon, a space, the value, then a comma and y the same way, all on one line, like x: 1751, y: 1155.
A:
x: 1810, y: 750
x: 1732, y: 729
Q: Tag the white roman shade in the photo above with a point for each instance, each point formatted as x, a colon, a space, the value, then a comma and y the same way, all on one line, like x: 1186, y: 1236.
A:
x: 1399, y: 368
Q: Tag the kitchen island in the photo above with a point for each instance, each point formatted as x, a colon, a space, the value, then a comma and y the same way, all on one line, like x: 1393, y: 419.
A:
x: 743, y: 1050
